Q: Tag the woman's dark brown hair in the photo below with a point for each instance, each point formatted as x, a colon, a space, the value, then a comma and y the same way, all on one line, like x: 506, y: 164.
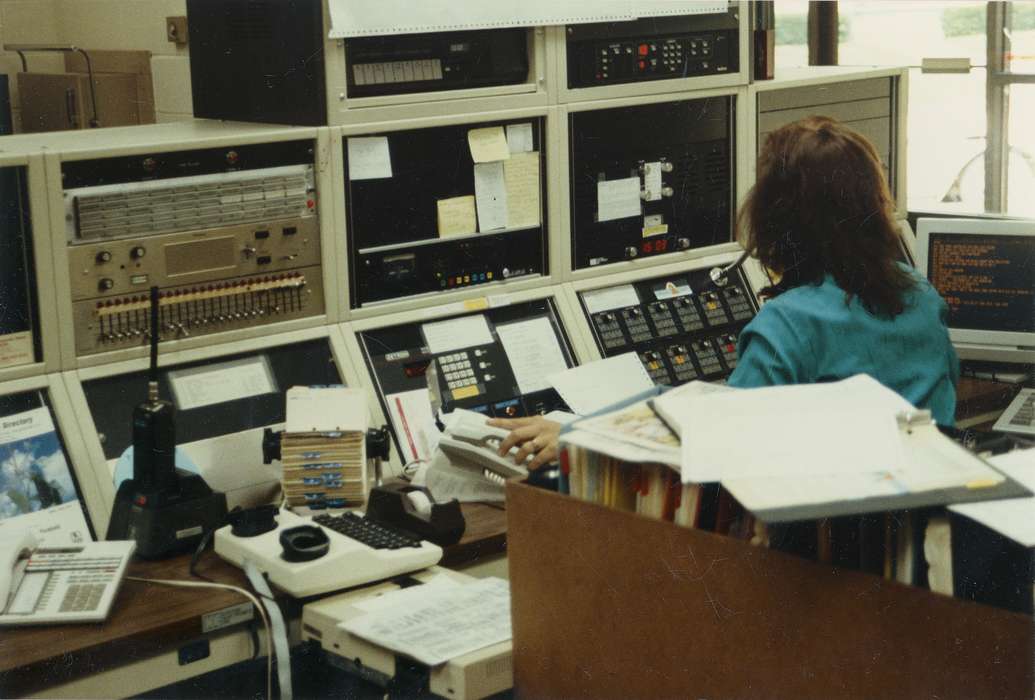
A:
x: 821, y: 205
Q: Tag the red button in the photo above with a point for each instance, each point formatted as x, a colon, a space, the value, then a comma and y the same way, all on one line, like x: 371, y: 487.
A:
x: 643, y: 49
x: 643, y: 65
x: 141, y: 500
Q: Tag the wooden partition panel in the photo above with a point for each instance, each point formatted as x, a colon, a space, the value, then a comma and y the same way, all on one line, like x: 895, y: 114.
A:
x: 608, y: 604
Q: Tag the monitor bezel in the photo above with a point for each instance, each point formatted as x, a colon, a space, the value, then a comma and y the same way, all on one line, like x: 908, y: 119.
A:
x: 1006, y: 340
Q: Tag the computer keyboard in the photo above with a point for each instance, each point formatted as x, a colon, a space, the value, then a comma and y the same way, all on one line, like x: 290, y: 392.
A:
x: 1019, y: 416
x: 366, y: 531
x: 360, y: 552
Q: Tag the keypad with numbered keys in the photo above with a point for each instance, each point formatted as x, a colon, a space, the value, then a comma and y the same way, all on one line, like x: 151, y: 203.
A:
x: 457, y: 370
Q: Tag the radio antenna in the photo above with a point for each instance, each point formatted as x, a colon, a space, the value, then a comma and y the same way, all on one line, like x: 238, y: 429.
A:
x: 152, y: 384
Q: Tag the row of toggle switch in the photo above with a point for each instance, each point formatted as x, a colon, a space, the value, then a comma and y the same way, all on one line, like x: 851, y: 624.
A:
x: 128, y: 319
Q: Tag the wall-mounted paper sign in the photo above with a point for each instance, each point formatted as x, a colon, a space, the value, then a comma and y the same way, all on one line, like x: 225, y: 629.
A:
x: 369, y: 158
x: 618, y: 199
x: 488, y: 144
x: 456, y: 216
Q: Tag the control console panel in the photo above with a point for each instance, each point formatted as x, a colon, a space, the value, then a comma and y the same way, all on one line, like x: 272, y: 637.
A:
x: 425, y: 217
x: 655, y: 48
x: 650, y: 179
x: 682, y: 326
x: 407, y: 63
x: 231, y: 236
x: 494, y: 362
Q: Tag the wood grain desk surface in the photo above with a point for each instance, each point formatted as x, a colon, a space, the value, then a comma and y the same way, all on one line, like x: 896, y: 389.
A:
x: 148, y: 619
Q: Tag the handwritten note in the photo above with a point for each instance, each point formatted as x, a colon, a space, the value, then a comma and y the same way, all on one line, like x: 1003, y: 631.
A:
x: 488, y: 144
x: 369, y: 158
x: 519, y: 138
x: 652, y: 181
x: 618, y: 199
x: 533, y: 351
x: 456, y: 216
x: 521, y: 174
x: 491, y: 196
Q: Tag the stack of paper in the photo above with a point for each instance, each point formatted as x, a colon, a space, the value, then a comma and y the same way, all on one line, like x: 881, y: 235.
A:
x: 439, y: 621
x: 323, y: 450
x: 1014, y: 517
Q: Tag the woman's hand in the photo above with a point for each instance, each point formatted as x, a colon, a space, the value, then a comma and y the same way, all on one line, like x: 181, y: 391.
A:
x: 534, y: 435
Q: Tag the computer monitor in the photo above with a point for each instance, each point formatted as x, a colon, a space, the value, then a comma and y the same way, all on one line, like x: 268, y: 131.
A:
x: 985, y: 271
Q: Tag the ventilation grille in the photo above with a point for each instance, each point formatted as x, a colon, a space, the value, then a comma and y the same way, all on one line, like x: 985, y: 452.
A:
x: 249, y: 20
x: 190, y: 204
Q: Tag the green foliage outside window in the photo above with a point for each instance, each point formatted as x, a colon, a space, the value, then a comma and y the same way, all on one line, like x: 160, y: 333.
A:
x: 970, y: 20
x: 793, y: 30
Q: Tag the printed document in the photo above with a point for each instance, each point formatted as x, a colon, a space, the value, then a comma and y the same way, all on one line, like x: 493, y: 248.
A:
x: 1012, y: 517
x: 533, y: 351
x: 846, y: 427
x: 596, y: 385
x: 442, y: 624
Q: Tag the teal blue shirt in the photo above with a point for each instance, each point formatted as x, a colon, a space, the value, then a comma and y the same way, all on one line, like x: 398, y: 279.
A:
x: 809, y: 334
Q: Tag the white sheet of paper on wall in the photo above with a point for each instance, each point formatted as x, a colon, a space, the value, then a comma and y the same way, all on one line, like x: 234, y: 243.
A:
x: 457, y: 333
x: 618, y: 199
x: 351, y: 18
x: 490, y: 193
x: 369, y: 158
x: 652, y: 181
x: 519, y: 138
x: 488, y: 144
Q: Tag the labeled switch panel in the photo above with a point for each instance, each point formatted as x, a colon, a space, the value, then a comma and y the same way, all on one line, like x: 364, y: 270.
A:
x: 650, y: 179
x: 230, y: 236
x: 652, y: 49
x: 683, y: 327
x: 407, y: 63
x: 478, y: 373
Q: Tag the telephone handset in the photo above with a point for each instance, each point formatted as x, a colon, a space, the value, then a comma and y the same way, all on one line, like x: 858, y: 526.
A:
x: 42, y: 584
x: 470, y: 443
x: 13, y: 560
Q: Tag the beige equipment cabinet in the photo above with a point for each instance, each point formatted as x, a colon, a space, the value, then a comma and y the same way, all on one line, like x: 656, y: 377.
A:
x: 738, y: 180
x: 551, y: 205
x: 20, y: 353
x: 190, y: 255
x: 537, y: 90
x: 872, y: 101
x: 559, y: 45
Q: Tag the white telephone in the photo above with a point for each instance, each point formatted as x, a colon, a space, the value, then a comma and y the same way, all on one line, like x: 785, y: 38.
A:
x: 471, y: 444
x: 45, y: 585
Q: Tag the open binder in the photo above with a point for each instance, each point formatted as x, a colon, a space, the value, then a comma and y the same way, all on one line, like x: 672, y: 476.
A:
x: 936, y: 471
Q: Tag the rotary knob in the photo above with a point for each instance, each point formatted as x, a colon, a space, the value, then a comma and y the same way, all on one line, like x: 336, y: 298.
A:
x: 137, y: 252
x: 103, y: 256
x: 631, y: 252
x: 106, y: 284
